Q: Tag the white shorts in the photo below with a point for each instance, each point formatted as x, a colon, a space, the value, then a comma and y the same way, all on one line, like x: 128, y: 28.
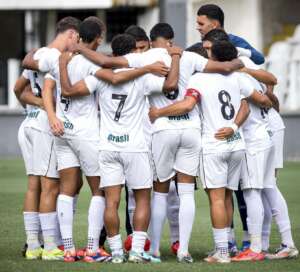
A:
x: 258, y: 171
x: 176, y: 150
x: 278, y: 139
x: 221, y: 170
x: 78, y: 153
x: 134, y: 167
x: 37, y: 149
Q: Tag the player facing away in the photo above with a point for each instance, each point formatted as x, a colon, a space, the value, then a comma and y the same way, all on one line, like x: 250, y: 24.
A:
x: 124, y: 148
x: 219, y: 99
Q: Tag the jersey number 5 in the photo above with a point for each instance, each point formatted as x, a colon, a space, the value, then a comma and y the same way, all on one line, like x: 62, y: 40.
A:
x: 227, y: 108
x: 122, y: 98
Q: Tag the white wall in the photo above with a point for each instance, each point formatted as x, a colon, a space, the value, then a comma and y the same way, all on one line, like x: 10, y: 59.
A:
x: 242, y: 18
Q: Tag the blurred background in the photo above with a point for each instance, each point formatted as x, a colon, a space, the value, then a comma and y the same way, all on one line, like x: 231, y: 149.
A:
x: 271, y: 26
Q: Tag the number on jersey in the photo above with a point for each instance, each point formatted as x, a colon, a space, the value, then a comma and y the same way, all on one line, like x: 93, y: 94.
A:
x: 36, y: 85
x: 65, y: 101
x: 227, y: 108
x: 122, y: 98
x: 172, y: 95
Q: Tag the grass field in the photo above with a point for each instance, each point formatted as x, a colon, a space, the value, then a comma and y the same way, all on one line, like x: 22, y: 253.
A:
x: 13, y: 185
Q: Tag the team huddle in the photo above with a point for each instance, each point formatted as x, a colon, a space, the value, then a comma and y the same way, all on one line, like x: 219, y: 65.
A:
x: 157, y: 120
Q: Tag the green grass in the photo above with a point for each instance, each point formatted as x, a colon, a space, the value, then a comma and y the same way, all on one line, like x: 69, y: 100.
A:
x: 13, y: 186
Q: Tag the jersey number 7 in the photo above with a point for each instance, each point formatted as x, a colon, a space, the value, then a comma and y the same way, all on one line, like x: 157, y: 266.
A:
x: 122, y: 98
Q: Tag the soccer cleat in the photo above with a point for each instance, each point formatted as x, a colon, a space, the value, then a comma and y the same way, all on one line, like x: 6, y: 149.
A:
x: 217, y: 257
x: 248, y: 255
x: 52, y: 255
x: 138, y: 257
x: 118, y: 258
x: 70, y: 257
x: 33, y: 254
x: 245, y: 245
x: 174, y: 247
x: 284, y: 252
x: 185, y: 258
x: 128, y: 244
x: 99, y: 256
x: 232, y: 249
x: 61, y: 247
x: 80, y: 253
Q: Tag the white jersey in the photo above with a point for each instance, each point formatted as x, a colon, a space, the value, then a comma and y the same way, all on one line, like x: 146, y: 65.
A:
x: 220, y: 99
x: 123, y: 111
x: 189, y: 64
x: 275, y: 120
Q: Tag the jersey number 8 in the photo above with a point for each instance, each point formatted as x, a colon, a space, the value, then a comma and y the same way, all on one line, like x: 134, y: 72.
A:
x: 227, y: 108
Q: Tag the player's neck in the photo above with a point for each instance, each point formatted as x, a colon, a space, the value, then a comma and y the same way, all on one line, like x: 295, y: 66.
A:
x: 59, y: 43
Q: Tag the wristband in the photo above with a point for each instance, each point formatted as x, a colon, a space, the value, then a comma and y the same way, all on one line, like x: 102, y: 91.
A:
x: 234, y: 127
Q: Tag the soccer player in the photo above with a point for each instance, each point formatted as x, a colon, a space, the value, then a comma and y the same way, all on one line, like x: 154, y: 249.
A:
x: 210, y: 17
x: 221, y: 156
x: 142, y: 42
x: 123, y: 154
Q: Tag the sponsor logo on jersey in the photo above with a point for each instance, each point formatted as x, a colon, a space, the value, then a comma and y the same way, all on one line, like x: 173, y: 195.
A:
x: 179, y: 117
x: 33, y: 114
x: 118, y: 138
x: 235, y: 137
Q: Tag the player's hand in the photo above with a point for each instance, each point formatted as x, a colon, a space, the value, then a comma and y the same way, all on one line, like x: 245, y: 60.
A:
x: 65, y: 58
x: 74, y: 48
x: 56, y: 126
x: 224, y: 133
x: 175, y: 50
x: 158, y: 68
x: 153, y: 114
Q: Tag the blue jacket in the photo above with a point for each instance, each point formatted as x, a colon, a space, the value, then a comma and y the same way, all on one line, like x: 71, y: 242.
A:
x: 256, y: 56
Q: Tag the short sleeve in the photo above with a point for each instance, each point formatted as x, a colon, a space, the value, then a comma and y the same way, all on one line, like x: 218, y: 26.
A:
x: 92, y: 83
x: 47, y: 59
x: 25, y: 73
x: 245, y: 84
x: 198, y: 61
x: 249, y: 63
x: 153, y: 84
x: 135, y: 60
x: 194, y: 83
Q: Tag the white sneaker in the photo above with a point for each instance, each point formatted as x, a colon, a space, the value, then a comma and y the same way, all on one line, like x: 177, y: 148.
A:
x: 284, y: 252
x: 217, y: 257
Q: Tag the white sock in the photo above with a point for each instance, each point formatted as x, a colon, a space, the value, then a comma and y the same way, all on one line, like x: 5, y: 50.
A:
x: 58, y: 237
x: 221, y: 240
x: 115, y: 244
x: 246, y: 236
x: 95, y: 220
x: 280, y: 214
x: 75, y: 200
x: 131, y: 206
x: 138, y: 241
x: 65, y: 217
x: 48, y: 225
x: 266, y: 229
x: 158, y: 216
x: 230, y: 235
x: 186, y: 215
x: 172, y: 212
x: 255, y: 211
x: 32, y: 227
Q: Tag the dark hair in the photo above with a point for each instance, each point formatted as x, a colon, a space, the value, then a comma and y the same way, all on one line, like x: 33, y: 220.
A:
x: 67, y: 23
x: 198, y: 49
x: 212, y: 12
x: 137, y: 33
x: 122, y: 44
x: 163, y: 30
x: 216, y: 35
x: 224, y: 51
x: 89, y: 30
x: 98, y: 21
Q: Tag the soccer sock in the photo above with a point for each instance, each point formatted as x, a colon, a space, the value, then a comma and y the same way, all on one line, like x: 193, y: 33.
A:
x: 172, y: 212
x: 186, y: 215
x: 158, y: 215
x: 65, y: 217
x: 138, y: 241
x: 246, y: 236
x: 230, y: 235
x: 48, y: 224
x: 58, y: 237
x: 221, y: 240
x: 115, y: 244
x: 95, y: 220
x: 255, y: 211
x: 266, y: 229
x: 280, y: 214
x: 131, y: 206
x: 32, y: 227
x: 75, y: 200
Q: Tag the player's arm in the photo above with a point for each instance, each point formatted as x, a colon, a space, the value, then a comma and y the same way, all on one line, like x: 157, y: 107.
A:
x: 29, y: 63
x: 225, y: 67
x: 273, y: 97
x: 158, y: 68
x: 19, y: 87
x: 261, y: 75
x: 239, y: 120
x: 29, y: 98
x: 184, y: 106
x: 260, y: 99
x: 56, y: 125
x: 102, y: 59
